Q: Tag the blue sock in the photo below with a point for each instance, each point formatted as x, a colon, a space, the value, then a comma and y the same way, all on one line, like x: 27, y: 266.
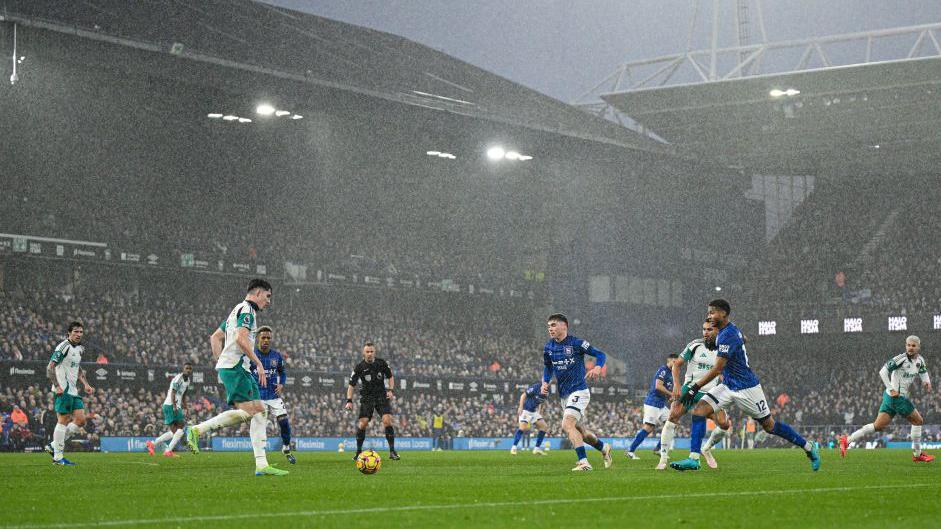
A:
x: 285, y: 431
x: 639, y: 438
x: 580, y: 452
x: 658, y: 446
x: 539, y: 438
x: 517, y: 437
x: 598, y: 445
x: 784, y: 431
x: 696, y: 434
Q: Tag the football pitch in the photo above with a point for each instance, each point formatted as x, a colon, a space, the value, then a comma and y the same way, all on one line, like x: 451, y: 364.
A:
x: 753, y: 489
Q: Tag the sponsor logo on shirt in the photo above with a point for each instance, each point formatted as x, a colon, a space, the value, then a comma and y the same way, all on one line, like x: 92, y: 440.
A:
x: 724, y: 348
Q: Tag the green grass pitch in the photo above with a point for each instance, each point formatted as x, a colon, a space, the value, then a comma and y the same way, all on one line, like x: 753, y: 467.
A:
x: 753, y: 489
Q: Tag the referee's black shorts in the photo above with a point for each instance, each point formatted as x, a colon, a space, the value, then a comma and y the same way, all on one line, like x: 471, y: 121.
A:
x: 381, y: 407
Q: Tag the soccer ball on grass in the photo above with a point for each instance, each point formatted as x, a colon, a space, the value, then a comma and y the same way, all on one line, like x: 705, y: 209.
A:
x: 368, y: 462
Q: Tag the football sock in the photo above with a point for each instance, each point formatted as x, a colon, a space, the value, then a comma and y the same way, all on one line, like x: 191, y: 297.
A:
x: 716, y: 437
x: 580, y: 452
x: 697, y: 432
x: 916, y: 440
x: 226, y: 418
x: 539, y: 437
x: 360, y: 437
x: 867, y: 430
x: 257, y: 430
x: 657, y: 448
x: 390, y: 438
x: 517, y: 437
x: 666, y: 438
x: 787, y: 433
x: 285, y: 427
x: 598, y: 445
x: 164, y: 438
x: 639, y: 438
x: 58, y: 441
x: 177, y: 435
x: 71, y: 430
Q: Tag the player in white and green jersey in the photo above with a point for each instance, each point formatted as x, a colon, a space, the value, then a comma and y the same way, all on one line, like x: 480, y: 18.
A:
x: 174, y: 407
x: 233, y: 347
x: 65, y: 372
x: 700, y: 357
x: 897, y: 375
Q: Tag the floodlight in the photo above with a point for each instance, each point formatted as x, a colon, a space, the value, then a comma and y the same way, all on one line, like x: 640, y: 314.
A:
x: 496, y: 153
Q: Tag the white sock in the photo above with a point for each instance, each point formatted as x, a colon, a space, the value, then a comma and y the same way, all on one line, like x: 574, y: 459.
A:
x: 177, y: 435
x: 71, y: 430
x: 163, y: 438
x: 666, y: 439
x: 717, y: 435
x: 58, y: 441
x: 226, y: 418
x: 257, y: 430
x: 869, y: 429
x: 916, y: 440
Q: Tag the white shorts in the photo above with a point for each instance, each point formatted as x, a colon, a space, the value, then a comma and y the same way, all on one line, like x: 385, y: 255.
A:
x: 530, y: 417
x: 275, y: 407
x: 751, y: 400
x: 574, y: 404
x: 655, y: 416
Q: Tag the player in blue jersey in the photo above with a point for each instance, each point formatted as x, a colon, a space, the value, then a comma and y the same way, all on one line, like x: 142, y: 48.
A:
x: 273, y: 363
x: 530, y: 403
x: 699, y: 356
x: 739, y: 386
x: 564, y: 357
x: 656, y: 404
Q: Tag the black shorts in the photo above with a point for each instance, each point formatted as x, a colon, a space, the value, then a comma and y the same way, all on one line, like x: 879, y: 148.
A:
x: 381, y: 406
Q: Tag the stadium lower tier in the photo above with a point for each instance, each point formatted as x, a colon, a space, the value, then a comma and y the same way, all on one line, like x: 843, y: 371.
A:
x: 28, y: 417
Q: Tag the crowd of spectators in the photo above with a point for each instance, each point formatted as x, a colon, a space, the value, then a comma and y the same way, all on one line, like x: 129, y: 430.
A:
x: 164, y: 331
x: 822, y: 413
x: 827, y: 394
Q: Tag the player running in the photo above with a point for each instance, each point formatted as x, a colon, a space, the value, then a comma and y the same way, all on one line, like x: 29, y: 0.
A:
x: 656, y: 410
x: 174, y: 407
x: 897, y: 375
x: 531, y: 402
x: 373, y: 396
x: 273, y: 363
x: 65, y: 372
x: 233, y: 347
x: 564, y: 357
x: 700, y: 357
x: 739, y: 386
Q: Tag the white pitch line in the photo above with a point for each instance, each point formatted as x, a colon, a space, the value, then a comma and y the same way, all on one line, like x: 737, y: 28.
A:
x: 251, y: 516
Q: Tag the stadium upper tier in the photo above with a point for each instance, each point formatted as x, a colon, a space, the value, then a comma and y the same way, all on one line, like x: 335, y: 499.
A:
x: 872, y: 243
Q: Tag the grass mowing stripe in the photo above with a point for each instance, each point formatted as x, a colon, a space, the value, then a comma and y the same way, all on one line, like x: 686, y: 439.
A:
x: 248, y: 516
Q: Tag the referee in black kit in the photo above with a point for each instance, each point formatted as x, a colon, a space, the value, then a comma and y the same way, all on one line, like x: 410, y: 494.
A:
x: 373, y: 395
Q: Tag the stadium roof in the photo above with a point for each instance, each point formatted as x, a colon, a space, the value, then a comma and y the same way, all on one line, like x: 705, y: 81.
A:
x: 875, y: 118
x: 257, y: 37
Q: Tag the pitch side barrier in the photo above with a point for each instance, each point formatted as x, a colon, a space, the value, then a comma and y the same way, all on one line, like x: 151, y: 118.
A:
x: 333, y: 444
